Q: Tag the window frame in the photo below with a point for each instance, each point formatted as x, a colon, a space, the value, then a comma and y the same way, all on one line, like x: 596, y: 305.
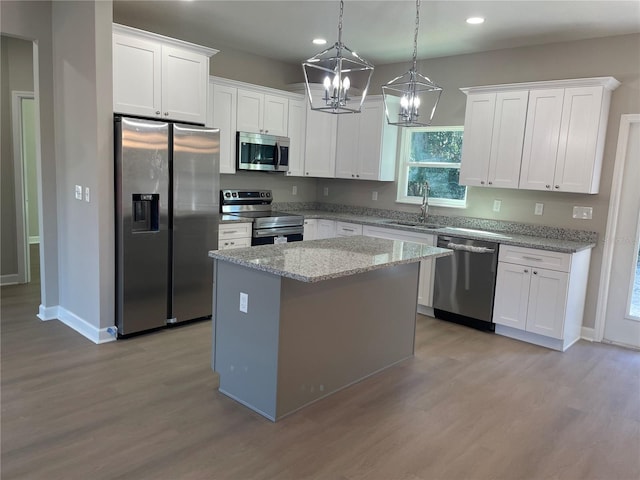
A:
x: 404, y: 165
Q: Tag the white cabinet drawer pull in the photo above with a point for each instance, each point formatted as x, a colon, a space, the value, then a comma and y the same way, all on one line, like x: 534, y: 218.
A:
x: 228, y: 232
x: 532, y: 258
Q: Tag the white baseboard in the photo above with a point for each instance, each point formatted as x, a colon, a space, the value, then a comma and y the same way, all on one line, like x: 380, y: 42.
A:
x: 588, y: 334
x: 33, y: 240
x: 428, y: 311
x: 84, y: 328
x: 11, y: 279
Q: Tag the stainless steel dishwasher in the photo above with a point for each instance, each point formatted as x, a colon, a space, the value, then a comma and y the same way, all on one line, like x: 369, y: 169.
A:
x: 465, y: 282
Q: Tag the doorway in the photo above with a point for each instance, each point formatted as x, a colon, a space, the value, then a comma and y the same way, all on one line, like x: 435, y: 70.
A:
x: 618, y: 318
x: 26, y: 181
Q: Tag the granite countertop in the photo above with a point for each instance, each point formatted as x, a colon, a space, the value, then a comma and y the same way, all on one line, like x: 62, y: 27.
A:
x: 317, y: 260
x: 563, y: 245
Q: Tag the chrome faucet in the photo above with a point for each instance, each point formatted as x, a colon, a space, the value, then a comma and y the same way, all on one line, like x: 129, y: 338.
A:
x: 424, y: 208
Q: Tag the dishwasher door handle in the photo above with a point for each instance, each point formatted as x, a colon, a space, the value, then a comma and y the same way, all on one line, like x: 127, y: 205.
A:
x: 470, y: 248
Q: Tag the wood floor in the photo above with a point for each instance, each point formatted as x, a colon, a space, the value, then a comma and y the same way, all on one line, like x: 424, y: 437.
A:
x: 469, y: 405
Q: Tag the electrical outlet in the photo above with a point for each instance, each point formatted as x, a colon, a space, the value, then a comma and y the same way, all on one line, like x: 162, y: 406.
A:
x: 294, y: 190
x: 78, y: 192
x: 87, y: 195
x: 497, y: 204
x: 584, y: 213
x: 539, y: 209
x: 374, y: 196
x: 244, y: 302
x: 326, y: 191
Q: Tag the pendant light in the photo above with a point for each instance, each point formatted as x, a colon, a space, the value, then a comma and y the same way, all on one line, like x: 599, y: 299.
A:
x: 411, y: 99
x: 331, y: 74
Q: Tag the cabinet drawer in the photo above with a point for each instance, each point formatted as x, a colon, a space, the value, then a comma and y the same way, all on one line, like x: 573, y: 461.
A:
x: 536, y: 258
x: 229, y: 244
x: 344, y: 229
x: 234, y: 230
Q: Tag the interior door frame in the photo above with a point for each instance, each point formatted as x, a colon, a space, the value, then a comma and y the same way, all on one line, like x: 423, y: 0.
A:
x: 612, y: 222
x: 22, y: 238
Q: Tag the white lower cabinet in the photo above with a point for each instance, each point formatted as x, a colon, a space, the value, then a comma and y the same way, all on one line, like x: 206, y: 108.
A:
x: 326, y: 229
x: 234, y: 235
x: 310, y: 229
x: 540, y: 295
x: 345, y: 229
x: 425, y: 282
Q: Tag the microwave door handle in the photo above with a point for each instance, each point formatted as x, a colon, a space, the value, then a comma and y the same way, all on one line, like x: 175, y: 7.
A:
x: 277, y: 165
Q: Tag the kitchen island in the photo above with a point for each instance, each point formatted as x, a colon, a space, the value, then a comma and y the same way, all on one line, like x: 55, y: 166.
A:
x: 295, y: 322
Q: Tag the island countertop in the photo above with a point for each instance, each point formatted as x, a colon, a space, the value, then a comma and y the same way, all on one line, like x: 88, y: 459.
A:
x: 318, y: 260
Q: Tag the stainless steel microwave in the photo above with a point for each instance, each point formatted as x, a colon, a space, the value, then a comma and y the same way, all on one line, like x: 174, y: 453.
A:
x: 257, y: 151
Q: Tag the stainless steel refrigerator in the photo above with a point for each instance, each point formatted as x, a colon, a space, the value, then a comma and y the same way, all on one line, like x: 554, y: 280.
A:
x: 167, y: 184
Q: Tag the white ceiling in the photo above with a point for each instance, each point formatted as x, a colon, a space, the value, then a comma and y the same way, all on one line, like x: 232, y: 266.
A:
x: 380, y: 31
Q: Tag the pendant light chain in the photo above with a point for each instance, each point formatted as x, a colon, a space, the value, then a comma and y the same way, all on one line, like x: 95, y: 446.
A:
x: 415, y: 37
x: 340, y: 23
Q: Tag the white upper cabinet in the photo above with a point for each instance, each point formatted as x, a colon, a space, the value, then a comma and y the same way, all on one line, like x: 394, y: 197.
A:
x: 538, y: 135
x: 493, y: 133
x: 156, y: 76
x: 366, y: 144
x: 136, y: 76
x: 297, y: 131
x: 222, y: 115
x: 262, y: 113
x: 541, y: 139
x: 585, y: 112
x: 320, y: 148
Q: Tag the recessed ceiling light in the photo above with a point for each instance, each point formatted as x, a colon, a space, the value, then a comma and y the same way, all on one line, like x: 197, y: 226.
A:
x: 319, y: 41
x: 475, y: 20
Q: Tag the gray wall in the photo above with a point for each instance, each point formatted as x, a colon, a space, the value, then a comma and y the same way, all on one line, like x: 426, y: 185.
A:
x: 31, y: 165
x: 32, y: 21
x: 83, y: 116
x: 16, y: 74
x: 615, y: 56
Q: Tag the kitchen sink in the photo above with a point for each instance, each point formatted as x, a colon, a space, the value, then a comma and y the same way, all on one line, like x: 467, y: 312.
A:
x: 412, y: 224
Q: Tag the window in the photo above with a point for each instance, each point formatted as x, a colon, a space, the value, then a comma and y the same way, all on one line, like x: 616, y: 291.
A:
x: 431, y: 154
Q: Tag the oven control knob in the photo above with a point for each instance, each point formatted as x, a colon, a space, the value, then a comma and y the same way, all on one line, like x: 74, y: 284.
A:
x: 227, y: 194
x: 234, y: 194
x: 268, y: 194
x: 262, y: 194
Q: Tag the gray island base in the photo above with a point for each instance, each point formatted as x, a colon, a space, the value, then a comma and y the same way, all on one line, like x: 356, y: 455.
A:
x: 320, y: 316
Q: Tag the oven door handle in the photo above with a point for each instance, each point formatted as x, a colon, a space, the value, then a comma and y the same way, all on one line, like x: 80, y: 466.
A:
x: 470, y: 248
x: 277, y: 232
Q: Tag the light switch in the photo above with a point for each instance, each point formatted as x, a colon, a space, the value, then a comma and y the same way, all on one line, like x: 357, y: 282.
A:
x: 244, y: 302
x: 87, y: 195
x: 78, y: 192
x: 294, y: 190
x: 374, y: 196
x: 326, y: 191
x: 539, y: 209
x: 497, y: 204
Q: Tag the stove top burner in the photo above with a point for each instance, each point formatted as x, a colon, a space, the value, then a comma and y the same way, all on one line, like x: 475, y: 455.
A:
x: 256, y: 205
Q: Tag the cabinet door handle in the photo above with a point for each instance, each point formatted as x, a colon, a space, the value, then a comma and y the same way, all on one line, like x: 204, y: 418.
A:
x: 535, y: 273
x: 526, y: 271
x: 228, y: 232
x: 481, y: 182
x: 166, y: 114
x: 532, y: 258
x: 547, y: 186
x: 352, y: 175
x: 348, y: 229
x: 266, y: 131
x: 358, y: 176
x: 157, y: 112
x: 557, y: 186
x: 490, y: 183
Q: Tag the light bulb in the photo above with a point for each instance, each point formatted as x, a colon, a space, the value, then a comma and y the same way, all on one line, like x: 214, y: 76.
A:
x: 346, y: 83
x: 336, y: 82
x: 327, y: 83
x: 404, y: 101
x: 416, y: 102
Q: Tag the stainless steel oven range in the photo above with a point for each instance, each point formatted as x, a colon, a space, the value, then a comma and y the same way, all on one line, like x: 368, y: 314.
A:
x: 268, y: 226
